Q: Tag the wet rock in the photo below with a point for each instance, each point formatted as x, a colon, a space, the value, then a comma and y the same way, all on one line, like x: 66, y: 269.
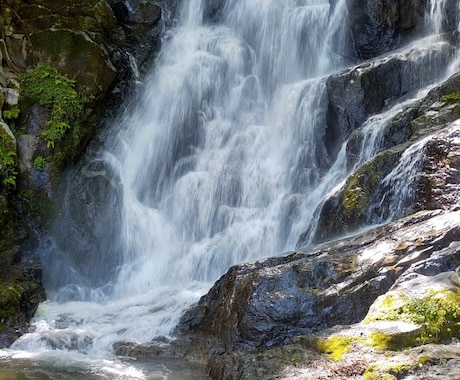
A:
x: 78, y: 231
x: 20, y: 273
x: 359, y: 92
x: 77, y: 56
x: 142, y: 24
x: 266, y: 304
x: 434, y: 183
x: 379, y: 26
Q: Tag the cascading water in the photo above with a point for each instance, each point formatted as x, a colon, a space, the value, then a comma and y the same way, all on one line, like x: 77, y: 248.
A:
x: 221, y: 162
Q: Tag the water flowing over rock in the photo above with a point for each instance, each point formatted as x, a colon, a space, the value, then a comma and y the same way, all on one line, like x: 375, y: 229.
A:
x: 326, y: 129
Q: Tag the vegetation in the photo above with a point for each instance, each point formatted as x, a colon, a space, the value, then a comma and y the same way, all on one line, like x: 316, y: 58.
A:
x: 40, y: 163
x: 453, y: 97
x: 390, y: 369
x: 335, y: 347
x: 437, y: 312
x: 8, y: 171
x: 46, y: 86
x: 12, y: 113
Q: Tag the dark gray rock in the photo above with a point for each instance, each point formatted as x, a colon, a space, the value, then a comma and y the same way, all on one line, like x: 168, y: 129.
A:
x: 379, y: 26
x: 364, y: 90
x: 142, y: 25
x: 366, y: 197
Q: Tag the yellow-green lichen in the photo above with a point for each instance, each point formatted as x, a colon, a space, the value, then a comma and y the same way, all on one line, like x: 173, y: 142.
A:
x: 334, y: 347
x: 393, y: 369
x: 437, y: 312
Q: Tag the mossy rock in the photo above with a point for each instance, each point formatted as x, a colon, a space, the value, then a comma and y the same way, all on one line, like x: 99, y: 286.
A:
x: 7, y: 139
x: 358, y: 203
x: 20, y: 294
x: 96, y: 16
x: 77, y: 56
x: 435, y: 308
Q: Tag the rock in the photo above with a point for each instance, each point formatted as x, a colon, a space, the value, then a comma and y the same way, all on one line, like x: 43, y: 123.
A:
x: 142, y: 25
x: 365, y: 197
x: 213, y: 9
x: 79, y: 233
x: 366, y: 89
x: 76, y: 56
x: 20, y: 273
x: 265, y: 304
x: 379, y: 26
x: 7, y: 139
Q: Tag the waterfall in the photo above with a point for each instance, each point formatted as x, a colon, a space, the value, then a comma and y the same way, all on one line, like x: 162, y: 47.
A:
x: 211, y: 152
x: 221, y: 160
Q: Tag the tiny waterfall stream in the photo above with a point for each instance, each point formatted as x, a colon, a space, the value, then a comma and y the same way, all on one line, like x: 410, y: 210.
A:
x: 221, y: 161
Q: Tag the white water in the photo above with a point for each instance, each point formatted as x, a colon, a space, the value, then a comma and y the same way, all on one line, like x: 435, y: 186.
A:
x: 218, y: 164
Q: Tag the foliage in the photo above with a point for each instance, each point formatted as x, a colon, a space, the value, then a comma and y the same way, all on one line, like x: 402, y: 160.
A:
x: 46, y: 86
x: 12, y: 113
x: 453, y: 97
x: 40, y: 163
x: 7, y: 167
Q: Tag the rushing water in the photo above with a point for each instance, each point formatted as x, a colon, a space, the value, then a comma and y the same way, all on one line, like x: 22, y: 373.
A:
x: 220, y: 162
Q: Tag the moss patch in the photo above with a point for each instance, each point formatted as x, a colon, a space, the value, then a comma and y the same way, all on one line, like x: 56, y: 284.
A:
x: 47, y: 87
x: 391, y: 368
x: 453, y: 97
x: 8, y: 170
x: 334, y: 347
x: 437, y: 312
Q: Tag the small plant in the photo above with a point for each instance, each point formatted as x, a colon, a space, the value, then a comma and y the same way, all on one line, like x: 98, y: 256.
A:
x: 8, y: 171
x: 40, y: 163
x: 453, y: 97
x: 13, y: 113
x: 49, y: 88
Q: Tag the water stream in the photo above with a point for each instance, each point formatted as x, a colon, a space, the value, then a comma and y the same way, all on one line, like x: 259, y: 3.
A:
x: 221, y: 161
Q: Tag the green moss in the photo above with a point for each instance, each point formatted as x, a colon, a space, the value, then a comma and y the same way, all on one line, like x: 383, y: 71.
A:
x: 46, y: 86
x: 362, y: 184
x: 453, y: 97
x: 394, y: 342
x: 335, y: 347
x: 8, y: 171
x: 10, y: 297
x: 390, y: 370
x: 374, y: 376
x: 438, y: 312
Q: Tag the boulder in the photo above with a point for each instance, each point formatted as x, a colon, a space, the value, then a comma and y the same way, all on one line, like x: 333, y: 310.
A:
x: 256, y: 307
